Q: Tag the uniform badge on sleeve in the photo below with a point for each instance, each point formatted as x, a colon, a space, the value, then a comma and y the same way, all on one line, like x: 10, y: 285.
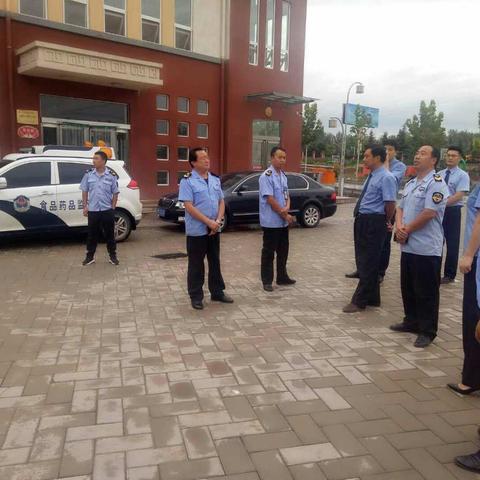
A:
x: 187, y: 175
x: 438, y: 178
x: 268, y: 173
x: 437, y: 197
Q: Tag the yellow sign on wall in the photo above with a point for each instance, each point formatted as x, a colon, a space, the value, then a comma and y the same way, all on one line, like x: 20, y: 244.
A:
x: 29, y: 117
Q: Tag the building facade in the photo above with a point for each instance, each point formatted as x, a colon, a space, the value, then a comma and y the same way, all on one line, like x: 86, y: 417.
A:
x: 154, y: 78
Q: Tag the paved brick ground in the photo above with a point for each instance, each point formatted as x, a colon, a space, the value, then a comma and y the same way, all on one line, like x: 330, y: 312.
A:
x: 107, y: 373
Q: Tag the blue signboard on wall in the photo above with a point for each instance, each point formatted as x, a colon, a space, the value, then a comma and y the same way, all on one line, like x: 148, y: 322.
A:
x: 349, y: 110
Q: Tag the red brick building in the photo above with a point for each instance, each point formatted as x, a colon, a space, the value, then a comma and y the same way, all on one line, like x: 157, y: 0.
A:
x: 224, y: 74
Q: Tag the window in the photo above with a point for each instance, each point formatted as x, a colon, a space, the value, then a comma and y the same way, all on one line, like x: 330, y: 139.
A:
x: 202, y: 107
x: 76, y: 12
x: 183, y: 129
x: 151, y: 21
x: 35, y: 8
x: 270, y: 34
x: 182, y: 153
x: 183, y: 104
x: 183, y: 24
x: 115, y: 16
x: 72, y: 173
x: 163, y: 152
x: 163, y: 127
x: 180, y: 175
x: 163, y: 178
x: 162, y: 102
x: 253, y: 47
x: 202, y: 130
x: 250, y: 185
x: 29, y: 175
x: 285, y: 41
x: 296, y: 182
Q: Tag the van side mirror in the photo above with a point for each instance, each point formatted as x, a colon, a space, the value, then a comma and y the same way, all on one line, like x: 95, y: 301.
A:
x: 3, y: 182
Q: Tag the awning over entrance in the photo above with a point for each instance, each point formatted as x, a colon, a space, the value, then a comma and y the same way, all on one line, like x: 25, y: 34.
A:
x: 41, y: 59
x: 285, y: 98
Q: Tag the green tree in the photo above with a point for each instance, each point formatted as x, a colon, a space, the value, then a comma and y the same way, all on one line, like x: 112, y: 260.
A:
x: 426, y: 128
x: 313, y: 133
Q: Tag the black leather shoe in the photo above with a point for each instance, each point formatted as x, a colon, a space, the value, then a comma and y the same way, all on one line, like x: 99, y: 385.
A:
x: 402, y: 327
x: 353, y: 274
x: 222, y: 298
x: 268, y: 287
x: 446, y: 280
x: 422, y: 341
x: 469, y: 462
x: 463, y: 391
x: 286, y: 281
x: 197, y: 304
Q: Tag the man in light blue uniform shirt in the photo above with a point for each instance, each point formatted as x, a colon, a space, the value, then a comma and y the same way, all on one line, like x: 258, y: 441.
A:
x: 419, y: 231
x: 274, y: 205
x: 372, y: 213
x: 458, y: 183
x: 397, y: 169
x: 99, y: 196
x: 469, y: 265
x: 202, y: 195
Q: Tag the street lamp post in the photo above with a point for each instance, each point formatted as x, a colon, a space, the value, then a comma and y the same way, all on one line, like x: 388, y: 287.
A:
x: 341, y: 181
x: 332, y: 123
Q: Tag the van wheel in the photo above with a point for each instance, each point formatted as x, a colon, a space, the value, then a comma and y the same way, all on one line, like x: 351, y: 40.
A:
x: 310, y: 216
x: 123, y: 226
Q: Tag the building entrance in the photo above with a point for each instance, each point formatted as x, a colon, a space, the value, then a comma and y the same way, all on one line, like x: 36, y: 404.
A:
x: 266, y: 135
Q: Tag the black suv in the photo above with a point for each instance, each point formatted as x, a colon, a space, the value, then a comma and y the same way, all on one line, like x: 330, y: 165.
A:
x: 310, y: 201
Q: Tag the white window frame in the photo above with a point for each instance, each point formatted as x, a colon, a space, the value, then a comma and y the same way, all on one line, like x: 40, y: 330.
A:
x: 168, y: 102
x: 182, y: 159
x: 168, y: 127
x: 186, y: 28
x: 168, y: 153
x: 188, y: 129
x: 285, y: 53
x: 116, y: 10
x: 208, y: 107
x: 153, y: 20
x: 83, y: 2
x: 168, y: 178
x: 256, y: 43
x: 188, y: 105
x: 45, y: 7
x: 272, y: 48
x: 206, y: 125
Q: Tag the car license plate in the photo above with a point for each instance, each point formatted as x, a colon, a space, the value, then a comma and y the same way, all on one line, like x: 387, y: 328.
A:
x: 161, y: 212
x: 181, y: 219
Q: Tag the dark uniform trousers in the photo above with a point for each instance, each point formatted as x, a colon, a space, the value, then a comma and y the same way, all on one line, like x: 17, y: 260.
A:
x: 101, y: 223
x: 470, y: 317
x: 370, y: 231
x: 275, y: 240
x: 197, y: 249
x: 420, y: 283
x: 451, y: 229
x: 386, y: 250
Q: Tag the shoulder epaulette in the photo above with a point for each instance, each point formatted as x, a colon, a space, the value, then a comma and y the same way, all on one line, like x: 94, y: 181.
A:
x: 214, y: 174
x: 187, y: 175
x: 437, y: 177
x: 268, y: 173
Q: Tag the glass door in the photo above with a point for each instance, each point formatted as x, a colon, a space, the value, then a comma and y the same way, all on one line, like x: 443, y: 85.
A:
x: 266, y: 135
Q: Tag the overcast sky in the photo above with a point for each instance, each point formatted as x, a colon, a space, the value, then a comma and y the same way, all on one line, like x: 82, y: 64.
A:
x: 404, y: 51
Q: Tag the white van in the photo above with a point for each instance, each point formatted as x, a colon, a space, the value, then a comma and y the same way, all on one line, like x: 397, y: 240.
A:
x: 40, y: 191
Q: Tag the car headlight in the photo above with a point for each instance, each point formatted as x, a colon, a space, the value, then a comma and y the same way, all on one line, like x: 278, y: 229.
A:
x: 180, y: 205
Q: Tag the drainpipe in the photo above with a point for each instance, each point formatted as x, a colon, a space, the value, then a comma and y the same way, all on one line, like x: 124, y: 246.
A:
x: 223, y: 80
x: 11, y: 98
